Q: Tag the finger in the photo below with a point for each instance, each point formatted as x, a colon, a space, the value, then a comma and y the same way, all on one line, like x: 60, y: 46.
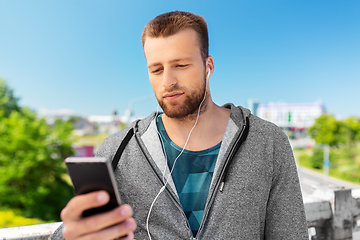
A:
x: 78, y: 204
x: 103, y: 220
x: 118, y: 231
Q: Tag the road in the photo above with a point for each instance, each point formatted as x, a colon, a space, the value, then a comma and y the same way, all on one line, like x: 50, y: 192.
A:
x: 311, y: 181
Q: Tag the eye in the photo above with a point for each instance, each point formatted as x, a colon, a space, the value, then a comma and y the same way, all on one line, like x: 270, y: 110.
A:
x: 156, y: 71
x: 182, y: 65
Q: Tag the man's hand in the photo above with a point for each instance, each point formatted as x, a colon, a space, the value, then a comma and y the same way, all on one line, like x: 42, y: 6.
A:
x: 116, y: 223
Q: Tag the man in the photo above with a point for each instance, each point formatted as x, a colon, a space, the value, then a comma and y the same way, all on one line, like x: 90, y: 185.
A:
x: 197, y: 171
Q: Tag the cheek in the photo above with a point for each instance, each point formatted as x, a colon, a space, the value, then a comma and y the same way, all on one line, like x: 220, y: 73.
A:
x: 197, y: 81
x: 195, y: 78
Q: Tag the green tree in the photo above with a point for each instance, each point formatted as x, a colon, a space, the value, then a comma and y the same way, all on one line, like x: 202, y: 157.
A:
x: 352, y: 128
x: 328, y: 130
x: 8, y: 102
x: 32, y: 172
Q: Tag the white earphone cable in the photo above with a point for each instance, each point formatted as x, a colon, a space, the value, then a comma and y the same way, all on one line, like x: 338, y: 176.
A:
x: 169, y: 176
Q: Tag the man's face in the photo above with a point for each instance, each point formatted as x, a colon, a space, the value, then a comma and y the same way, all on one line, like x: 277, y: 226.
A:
x: 176, y: 72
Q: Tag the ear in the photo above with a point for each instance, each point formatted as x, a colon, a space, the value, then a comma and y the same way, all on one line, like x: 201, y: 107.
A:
x: 210, y: 65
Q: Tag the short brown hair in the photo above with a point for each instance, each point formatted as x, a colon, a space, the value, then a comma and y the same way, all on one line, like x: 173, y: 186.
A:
x: 170, y: 23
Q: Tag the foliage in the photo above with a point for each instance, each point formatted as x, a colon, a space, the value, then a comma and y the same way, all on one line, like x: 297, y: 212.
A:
x: 8, y: 218
x: 345, y: 162
x: 328, y: 130
x: 8, y: 102
x: 31, y: 163
x: 343, y: 138
x: 352, y: 129
x: 91, y: 140
x: 313, y: 158
x: 317, y: 158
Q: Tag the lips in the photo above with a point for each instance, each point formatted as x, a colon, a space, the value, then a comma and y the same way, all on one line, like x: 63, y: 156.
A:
x: 172, y: 95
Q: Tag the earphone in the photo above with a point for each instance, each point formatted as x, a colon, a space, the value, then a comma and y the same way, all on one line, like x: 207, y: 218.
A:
x: 163, y: 148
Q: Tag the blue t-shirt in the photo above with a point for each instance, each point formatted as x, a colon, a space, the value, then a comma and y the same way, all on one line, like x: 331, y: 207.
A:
x: 192, y: 176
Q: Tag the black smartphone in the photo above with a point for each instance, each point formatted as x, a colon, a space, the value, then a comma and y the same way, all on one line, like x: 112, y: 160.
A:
x: 90, y: 174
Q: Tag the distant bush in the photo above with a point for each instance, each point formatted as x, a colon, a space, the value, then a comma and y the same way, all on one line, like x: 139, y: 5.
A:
x: 9, y: 219
x: 311, y: 158
x: 345, y: 162
x: 343, y: 137
x: 317, y: 158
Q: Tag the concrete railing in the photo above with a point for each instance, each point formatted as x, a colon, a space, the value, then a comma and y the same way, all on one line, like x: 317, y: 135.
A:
x: 336, y: 219
x: 33, y: 232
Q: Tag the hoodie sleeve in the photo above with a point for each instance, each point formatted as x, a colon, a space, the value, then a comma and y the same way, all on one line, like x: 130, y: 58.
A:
x: 107, y: 149
x: 285, y: 214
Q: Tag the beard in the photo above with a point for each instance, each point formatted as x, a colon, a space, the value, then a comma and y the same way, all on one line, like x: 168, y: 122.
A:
x: 187, y: 108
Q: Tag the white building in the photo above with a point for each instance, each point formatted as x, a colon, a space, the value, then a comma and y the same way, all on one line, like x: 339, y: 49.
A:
x: 292, y: 116
x: 109, y: 124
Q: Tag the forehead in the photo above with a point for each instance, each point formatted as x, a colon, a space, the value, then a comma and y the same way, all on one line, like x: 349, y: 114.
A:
x: 184, y: 44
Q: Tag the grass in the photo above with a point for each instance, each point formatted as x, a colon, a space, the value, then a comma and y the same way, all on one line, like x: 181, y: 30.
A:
x: 10, y: 218
x: 345, y: 162
x: 90, y: 140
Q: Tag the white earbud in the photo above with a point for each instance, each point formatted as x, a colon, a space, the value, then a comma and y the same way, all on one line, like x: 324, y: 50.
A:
x: 208, y: 74
x: 166, y: 179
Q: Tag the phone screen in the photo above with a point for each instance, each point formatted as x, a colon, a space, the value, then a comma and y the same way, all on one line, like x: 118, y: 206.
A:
x: 93, y: 174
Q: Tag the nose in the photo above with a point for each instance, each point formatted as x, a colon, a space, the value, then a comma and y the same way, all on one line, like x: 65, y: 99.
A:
x: 169, y: 80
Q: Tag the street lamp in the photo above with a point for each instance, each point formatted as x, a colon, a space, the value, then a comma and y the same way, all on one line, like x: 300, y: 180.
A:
x: 326, y: 162
x: 130, y: 111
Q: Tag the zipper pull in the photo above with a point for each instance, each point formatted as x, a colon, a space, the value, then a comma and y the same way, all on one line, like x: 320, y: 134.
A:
x: 222, y: 186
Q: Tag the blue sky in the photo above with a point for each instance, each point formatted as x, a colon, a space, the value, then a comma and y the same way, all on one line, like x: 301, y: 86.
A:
x: 86, y: 56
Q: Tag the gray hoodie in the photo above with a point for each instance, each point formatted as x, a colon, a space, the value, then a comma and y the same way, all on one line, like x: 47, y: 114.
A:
x: 259, y: 199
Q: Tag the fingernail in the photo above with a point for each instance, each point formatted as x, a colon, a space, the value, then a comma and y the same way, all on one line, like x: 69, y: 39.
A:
x: 102, y: 197
x: 130, y: 224
x: 123, y: 211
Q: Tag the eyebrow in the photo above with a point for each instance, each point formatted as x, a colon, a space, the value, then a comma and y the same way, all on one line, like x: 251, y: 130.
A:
x: 171, y: 61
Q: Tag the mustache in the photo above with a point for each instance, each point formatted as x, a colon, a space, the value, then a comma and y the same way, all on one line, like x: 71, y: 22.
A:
x: 173, y: 88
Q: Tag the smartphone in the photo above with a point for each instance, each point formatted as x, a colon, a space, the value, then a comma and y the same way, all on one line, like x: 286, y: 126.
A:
x: 90, y: 174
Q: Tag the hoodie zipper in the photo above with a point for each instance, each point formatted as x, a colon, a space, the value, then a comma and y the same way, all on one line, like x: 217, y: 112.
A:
x: 167, y: 190
x: 234, y: 148
x: 220, y: 183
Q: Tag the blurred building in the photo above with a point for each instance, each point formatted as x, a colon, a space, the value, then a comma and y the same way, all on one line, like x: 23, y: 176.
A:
x: 52, y: 115
x: 83, y: 127
x: 293, y: 117
x: 109, y: 124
